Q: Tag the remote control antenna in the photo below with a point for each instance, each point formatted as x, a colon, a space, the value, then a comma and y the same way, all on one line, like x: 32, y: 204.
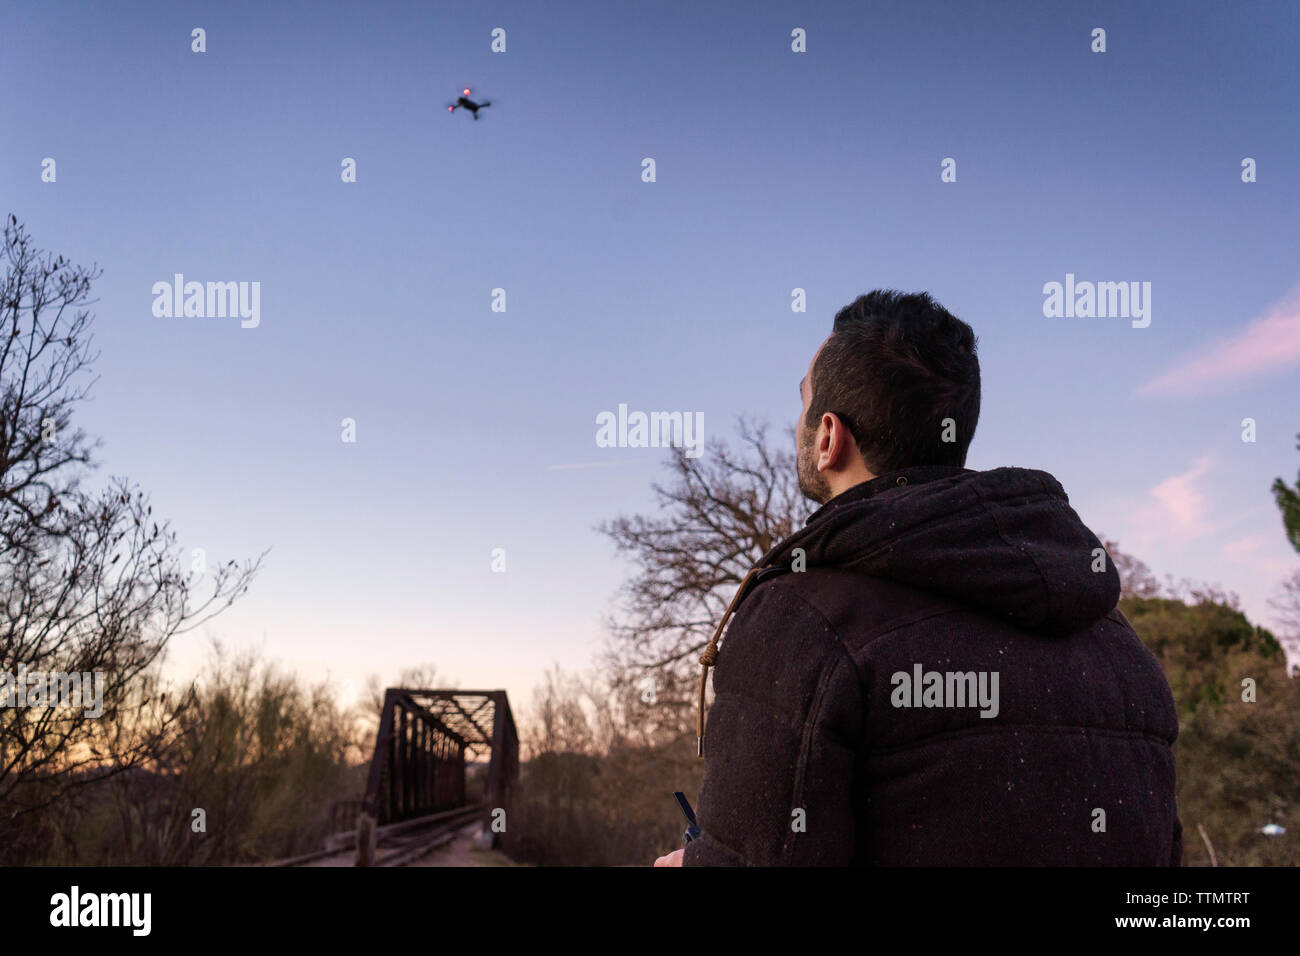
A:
x: 692, y: 829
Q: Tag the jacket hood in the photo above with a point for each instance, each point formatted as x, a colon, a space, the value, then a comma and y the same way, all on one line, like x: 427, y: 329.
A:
x: 1005, y: 541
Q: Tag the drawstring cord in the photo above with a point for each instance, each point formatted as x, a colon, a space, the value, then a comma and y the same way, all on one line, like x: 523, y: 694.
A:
x: 710, y: 657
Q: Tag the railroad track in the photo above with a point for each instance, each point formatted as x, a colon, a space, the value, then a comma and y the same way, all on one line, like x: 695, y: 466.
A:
x: 397, y: 844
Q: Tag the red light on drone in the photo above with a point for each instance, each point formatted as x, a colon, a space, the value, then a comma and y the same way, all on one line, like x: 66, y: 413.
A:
x: 450, y: 109
x: 467, y: 91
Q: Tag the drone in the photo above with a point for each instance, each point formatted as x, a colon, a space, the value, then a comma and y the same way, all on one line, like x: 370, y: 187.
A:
x: 464, y: 101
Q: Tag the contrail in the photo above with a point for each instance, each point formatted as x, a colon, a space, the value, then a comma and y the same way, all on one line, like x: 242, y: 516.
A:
x: 585, y: 464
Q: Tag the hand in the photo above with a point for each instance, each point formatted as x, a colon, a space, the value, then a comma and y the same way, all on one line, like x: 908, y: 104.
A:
x: 672, y: 859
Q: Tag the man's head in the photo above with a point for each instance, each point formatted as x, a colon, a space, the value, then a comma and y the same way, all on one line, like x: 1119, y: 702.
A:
x: 880, y: 391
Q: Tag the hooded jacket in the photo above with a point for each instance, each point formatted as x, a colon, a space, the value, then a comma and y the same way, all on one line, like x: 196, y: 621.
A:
x: 934, y: 671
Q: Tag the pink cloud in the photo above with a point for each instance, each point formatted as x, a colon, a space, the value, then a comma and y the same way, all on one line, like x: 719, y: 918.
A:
x: 1266, y: 345
x: 1183, y: 509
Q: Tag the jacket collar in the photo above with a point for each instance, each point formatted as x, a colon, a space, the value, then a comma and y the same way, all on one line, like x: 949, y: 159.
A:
x: 890, y: 481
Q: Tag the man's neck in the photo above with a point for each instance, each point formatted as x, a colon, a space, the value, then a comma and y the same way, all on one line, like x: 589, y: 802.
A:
x: 843, y: 481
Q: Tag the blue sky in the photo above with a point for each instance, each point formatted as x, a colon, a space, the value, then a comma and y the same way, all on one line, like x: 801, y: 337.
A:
x: 775, y: 170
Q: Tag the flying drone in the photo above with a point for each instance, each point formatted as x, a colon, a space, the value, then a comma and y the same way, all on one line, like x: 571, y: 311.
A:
x: 464, y: 102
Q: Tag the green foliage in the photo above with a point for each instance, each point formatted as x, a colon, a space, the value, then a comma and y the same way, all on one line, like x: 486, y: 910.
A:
x: 1195, y: 644
x: 1288, y: 502
x: 1238, y: 761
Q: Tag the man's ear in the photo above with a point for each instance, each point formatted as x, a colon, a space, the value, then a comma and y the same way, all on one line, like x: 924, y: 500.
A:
x: 845, y: 449
x: 823, y: 444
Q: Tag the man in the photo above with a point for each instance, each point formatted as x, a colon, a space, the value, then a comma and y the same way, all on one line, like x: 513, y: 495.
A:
x: 934, y: 670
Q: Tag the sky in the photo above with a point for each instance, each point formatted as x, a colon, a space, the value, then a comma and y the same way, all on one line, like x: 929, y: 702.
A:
x: 774, y: 170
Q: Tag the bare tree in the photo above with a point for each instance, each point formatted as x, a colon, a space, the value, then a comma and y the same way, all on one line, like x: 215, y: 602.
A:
x: 564, y: 709
x: 422, y: 676
x: 721, y: 513
x: 90, y: 581
x: 1287, y: 604
x: 1136, y: 579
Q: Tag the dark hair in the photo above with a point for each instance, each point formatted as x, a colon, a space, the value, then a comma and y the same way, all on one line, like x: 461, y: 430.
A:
x: 894, y: 367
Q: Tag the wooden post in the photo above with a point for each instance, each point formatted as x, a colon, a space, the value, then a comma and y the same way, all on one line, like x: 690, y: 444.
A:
x: 365, y: 840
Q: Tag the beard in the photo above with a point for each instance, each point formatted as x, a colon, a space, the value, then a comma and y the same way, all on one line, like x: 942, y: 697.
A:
x: 812, y: 484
